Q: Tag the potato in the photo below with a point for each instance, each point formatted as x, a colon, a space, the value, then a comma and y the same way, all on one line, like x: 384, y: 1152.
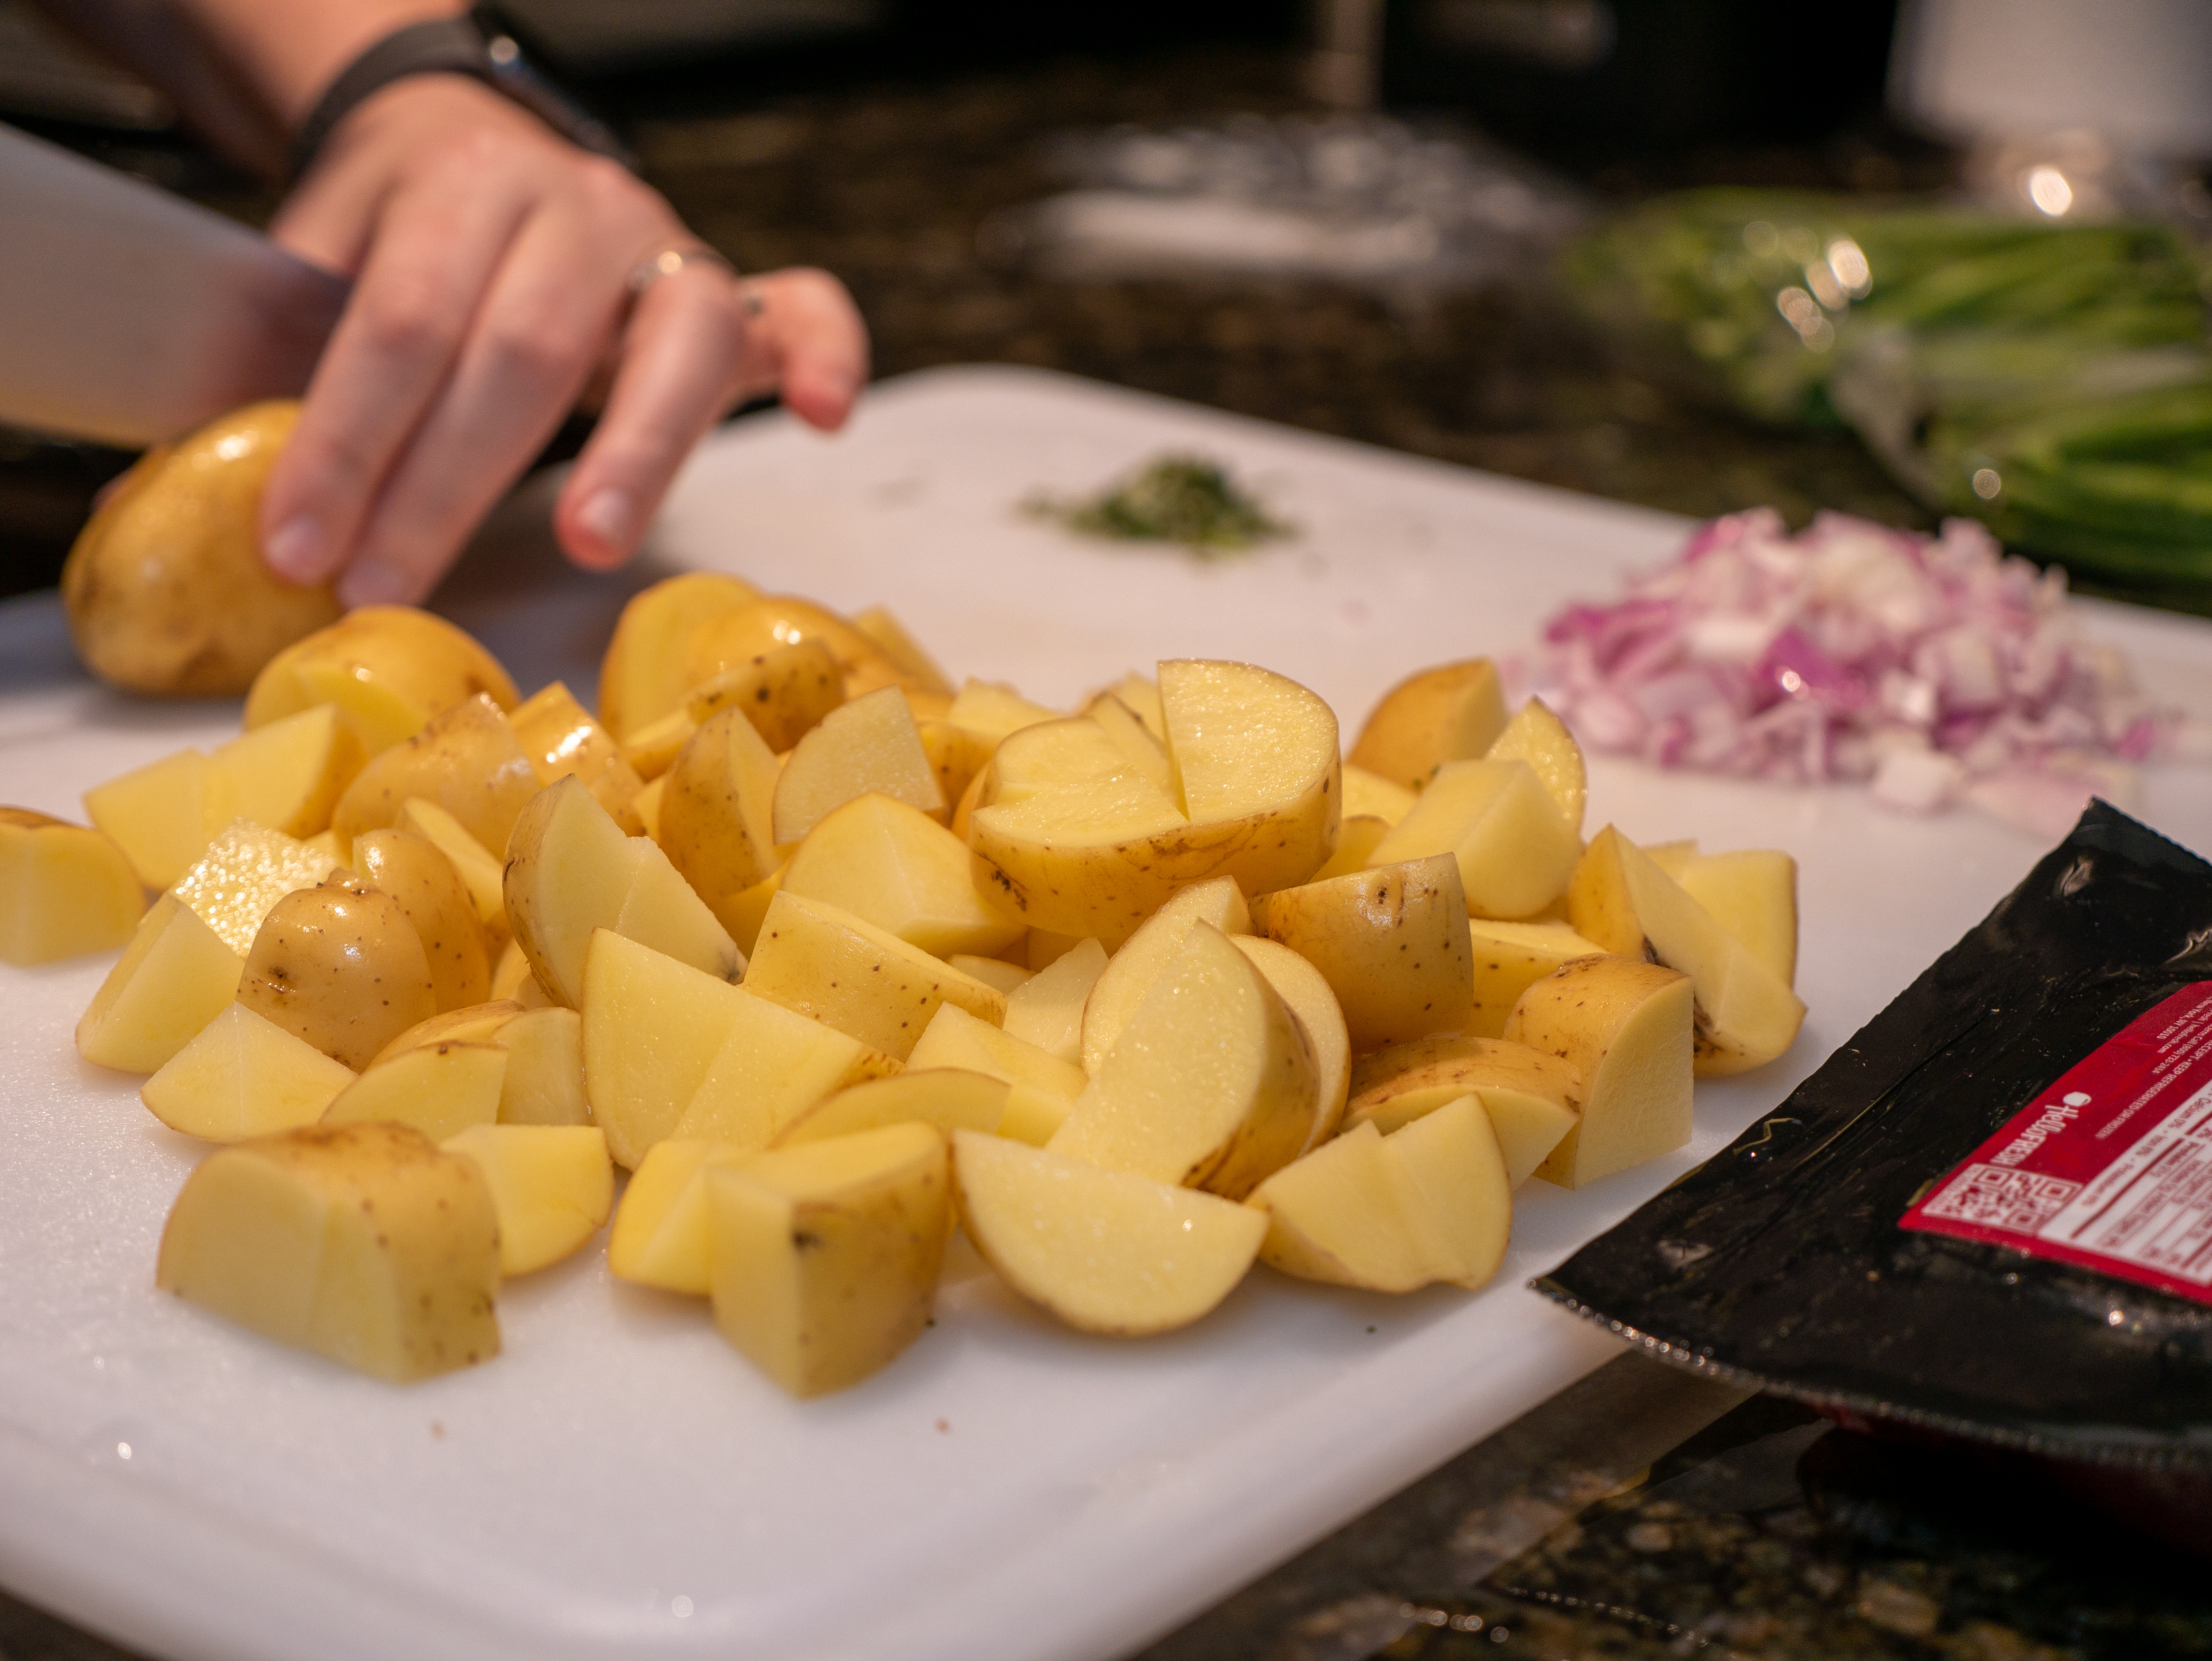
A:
x: 868, y: 744
x: 1625, y: 1026
x: 163, y: 815
x: 1104, y: 1250
x: 1540, y: 738
x: 644, y: 675
x: 1516, y: 849
x: 660, y: 1233
x: 742, y: 913
x: 441, y: 1089
x: 411, y: 869
x: 1300, y: 985
x: 1008, y: 977
x: 562, y: 741
x: 892, y: 639
x: 175, y: 976
x: 951, y: 1099
x: 244, y: 873
x: 290, y: 774
x: 1042, y: 1087
x: 242, y: 1075
x: 1141, y: 696
x: 1752, y: 893
x: 824, y: 1258
x: 65, y: 890
x: 1155, y: 948
x: 481, y: 873
x: 1391, y: 942
x: 827, y: 964
x: 1454, y: 712
x: 1046, y: 1009
x: 362, y: 1242
x: 1747, y: 1015
x: 744, y: 632
x: 653, y: 749
x: 465, y: 758
x: 958, y: 756
x: 1371, y: 795
x: 651, y: 1027
x: 715, y: 821
x: 1507, y: 957
x: 995, y: 711
x: 893, y: 866
x: 783, y: 692
x: 571, y: 871
x: 1212, y: 1084
x: 1533, y: 1099
x: 388, y: 668
x: 1072, y: 837
x: 165, y: 589
x: 551, y: 1188
x: 1357, y: 839
x: 480, y: 1022
x: 1144, y: 752
x: 543, y: 1084
x: 340, y: 967
x: 1430, y: 1203
x: 772, y: 1065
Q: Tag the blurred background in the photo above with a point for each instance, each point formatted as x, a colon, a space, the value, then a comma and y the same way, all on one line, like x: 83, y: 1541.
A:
x: 1902, y: 260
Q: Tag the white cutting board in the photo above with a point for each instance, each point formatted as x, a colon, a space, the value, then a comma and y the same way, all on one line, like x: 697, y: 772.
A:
x: 619, y: 1483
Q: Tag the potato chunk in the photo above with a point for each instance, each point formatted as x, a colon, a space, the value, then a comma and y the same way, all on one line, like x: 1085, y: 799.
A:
x: 1104, y: 1250
x: 868, y: 744
x: 164, y: 814
x: 411, y: 869
x: 467, y: 759
x: 1533, y: 1099
x: 1515, y: 848
x: 1301, y: 987
x: 847, y: 973
x: 1510, y: 956
x: 441, y: 1089
x: 1132, y: 971
x: 242, y: 1075
x: 388, y: 669
x: 1046, y: 1009
x: 951, y: 1099
x: 362, y: 1242
x: 65, y: 890
x: 824, y: 1257
x: 1625, y: 1026
x: 1454, y: 712
x: 174, y: 977
x: 645, y: 674
x: 891, y: 864
x: 340, y: 967
x: 552, y: 1187
x: 783, y: 692
x: 562, y: 741
x: 1391, y: 942
x: 1213, y: 1084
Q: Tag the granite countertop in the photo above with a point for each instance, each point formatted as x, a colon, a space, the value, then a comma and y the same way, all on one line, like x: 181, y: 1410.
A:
x: 1645, y: 1512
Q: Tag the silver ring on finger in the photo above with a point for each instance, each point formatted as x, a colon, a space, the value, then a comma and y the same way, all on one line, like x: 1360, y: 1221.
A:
x: 672, y: 259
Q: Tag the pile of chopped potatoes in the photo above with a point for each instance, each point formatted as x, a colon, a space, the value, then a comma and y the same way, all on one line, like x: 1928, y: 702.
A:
x: 834, y: 958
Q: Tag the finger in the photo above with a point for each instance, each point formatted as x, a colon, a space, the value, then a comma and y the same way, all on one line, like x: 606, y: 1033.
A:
x: 434, y: 253
x: 680, y: 371
x: 806, y: 343
x: 534, y: 341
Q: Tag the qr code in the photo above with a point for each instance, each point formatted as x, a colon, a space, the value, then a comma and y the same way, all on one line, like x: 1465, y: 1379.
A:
x: 1998, y: 1198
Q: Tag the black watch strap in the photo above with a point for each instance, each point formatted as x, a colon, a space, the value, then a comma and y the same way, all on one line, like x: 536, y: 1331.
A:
x: 450, y: 46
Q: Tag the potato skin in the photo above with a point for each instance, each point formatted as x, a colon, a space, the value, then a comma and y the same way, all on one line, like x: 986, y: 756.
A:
x: 467, y: 760
x: 340, y: 966
x: 411, y: 869
x: 165, y: 588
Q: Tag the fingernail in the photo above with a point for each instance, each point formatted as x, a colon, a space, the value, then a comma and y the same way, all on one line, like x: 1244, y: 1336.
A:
x: 373, y: 582
x: 607, y: 517
x: 295, y: 550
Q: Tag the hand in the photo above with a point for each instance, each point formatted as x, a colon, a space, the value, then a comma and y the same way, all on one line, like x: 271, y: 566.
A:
x: 491, y: 261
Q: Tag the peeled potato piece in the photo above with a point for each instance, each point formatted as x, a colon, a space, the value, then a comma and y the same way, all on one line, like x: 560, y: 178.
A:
x: 1104, y: 1250
x: 64, y: 890
x: 824, y: 1258
x: 362, y: 1242
x: 552, y: 1187
x: 242, y: 1075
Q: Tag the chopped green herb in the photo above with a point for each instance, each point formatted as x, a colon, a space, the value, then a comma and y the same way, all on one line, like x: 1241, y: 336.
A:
x: 1182, y: 499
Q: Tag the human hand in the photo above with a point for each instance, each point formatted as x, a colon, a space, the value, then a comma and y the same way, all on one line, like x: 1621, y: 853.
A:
x: 491, y: 261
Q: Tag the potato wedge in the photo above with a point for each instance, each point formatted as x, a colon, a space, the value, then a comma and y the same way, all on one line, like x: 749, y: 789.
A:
x: 1625, y: 1027
x: 1516, y: 849
x: 441, y: 1089
x: 552, y: 1187
x: 1300, y: 985
x: 65, y: 890
x: 868, y: 744
x: 1155, y: 948
x: 1046, y: 1009
x: 388, y: 669
x: 175, y: 976
x: 465, y: 758
x: 951, y: 1099
x: 891, y: 864
x: 1533, y: 1099
x: 1454, y: 712
x: 645, y: 673
x: 826, y: 962
x: 1391, y: 941
x: 562, y: 741
x: 242, y: 1075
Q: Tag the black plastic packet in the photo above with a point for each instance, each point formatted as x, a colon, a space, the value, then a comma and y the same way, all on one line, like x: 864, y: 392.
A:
x: 1989, y: 1215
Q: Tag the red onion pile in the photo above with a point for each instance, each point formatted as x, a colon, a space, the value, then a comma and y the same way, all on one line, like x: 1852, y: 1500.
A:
x: 1934, y: 668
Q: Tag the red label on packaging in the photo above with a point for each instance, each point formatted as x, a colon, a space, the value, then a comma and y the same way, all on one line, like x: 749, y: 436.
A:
x: 2110, y: 1167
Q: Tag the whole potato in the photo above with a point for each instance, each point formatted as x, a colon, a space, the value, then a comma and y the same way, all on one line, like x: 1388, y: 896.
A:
x: 340, y: 967
x: 165, y: 588
x: 413, y: 871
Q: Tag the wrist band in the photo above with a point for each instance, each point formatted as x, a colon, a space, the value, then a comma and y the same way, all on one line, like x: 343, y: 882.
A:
x: 449, y: 46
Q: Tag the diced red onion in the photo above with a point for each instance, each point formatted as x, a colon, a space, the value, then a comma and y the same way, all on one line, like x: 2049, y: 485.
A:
x: 1935, y: 667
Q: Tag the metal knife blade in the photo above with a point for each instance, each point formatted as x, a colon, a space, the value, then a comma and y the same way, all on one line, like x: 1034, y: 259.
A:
x: 130, y: 316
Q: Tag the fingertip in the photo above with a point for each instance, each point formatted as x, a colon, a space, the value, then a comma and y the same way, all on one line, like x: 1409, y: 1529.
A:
x: 298, y: 552
x: 821, y: 396
x: 597, y: 528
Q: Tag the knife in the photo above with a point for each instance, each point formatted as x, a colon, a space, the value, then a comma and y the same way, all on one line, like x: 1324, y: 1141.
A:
x: 130, y: 316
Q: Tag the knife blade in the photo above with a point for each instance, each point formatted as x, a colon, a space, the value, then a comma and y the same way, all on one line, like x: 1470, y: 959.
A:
x: 130, y: 316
